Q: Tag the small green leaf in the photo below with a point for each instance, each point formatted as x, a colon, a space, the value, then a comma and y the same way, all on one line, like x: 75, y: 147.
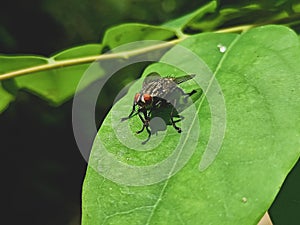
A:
x: 259, y: 77
x: 78, y: 51
x: 11, y: 63
x: 127, y: 33
x: 181, y: 22
x: 5, y: 98
x: 239, y: 14
x: 56, y: 85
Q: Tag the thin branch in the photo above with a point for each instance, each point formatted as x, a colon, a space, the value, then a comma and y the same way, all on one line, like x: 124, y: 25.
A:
x: 236, y: 29
x: 121, y: 55
x: 88, y: 59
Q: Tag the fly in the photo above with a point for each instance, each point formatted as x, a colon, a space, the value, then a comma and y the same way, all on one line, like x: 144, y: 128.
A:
x: 158, y: 92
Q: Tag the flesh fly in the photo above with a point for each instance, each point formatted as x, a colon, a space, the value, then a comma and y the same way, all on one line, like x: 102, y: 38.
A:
x: 157, y: 93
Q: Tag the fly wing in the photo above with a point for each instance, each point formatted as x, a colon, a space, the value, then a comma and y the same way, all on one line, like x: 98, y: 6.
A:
x: 151, y: 77
x: 179, y: 80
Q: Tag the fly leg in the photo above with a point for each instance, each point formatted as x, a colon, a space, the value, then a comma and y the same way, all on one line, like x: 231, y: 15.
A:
x: 179, y: 119
x: 131, y: 114
x: 187, y: 95
x: 145, y: 125
x: 191, y: 93
x: 172, y: 120
x: 174, y: 124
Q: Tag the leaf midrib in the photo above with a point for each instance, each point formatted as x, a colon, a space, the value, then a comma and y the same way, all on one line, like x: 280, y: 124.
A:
x: 194, y: 118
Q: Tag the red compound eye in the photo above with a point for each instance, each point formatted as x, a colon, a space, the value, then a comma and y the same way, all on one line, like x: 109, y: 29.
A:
x: 147, y: 98
x: 136, y: 97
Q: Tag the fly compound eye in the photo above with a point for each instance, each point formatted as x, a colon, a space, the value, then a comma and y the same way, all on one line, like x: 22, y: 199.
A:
x: 147, y: 98
x: 136, y: 97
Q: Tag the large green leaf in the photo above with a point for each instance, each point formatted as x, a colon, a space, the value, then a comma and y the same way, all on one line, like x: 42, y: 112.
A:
x: 259, y: 77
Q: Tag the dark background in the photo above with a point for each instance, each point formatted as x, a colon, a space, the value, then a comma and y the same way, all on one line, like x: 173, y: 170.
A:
x: 42, y: 168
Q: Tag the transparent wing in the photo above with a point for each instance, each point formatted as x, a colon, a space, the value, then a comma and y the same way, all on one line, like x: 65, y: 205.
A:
x: 179, y: 80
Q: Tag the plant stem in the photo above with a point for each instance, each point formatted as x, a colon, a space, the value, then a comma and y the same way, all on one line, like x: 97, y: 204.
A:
x: 120, y: 55
x: 235, y: 29
x: 89, y: 59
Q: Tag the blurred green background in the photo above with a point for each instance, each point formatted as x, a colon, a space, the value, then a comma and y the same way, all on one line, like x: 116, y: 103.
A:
x: 48, y: 26
x: 42, y: 168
